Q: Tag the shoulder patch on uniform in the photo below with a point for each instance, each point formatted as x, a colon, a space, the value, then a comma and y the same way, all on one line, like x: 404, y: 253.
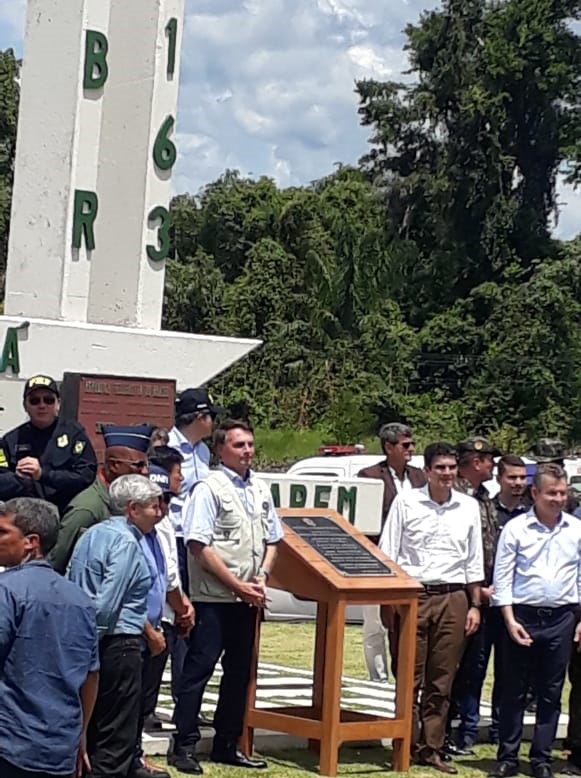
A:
x: 79, y: 446
x: 3, y: 460
x: 62, y: 441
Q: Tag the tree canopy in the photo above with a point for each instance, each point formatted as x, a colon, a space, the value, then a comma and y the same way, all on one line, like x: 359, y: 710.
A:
x: 423, y: 284
x: 9, y: 94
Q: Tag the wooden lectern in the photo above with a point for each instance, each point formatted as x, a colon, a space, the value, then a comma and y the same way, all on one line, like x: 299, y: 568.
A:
x: 323, y: 558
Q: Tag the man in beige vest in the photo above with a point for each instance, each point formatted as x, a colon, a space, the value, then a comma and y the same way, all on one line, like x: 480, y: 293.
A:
x: 231, y: 530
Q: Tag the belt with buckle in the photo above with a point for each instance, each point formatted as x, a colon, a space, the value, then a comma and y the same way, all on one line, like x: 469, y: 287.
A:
x: 543, y: 611
x: 430, y: 589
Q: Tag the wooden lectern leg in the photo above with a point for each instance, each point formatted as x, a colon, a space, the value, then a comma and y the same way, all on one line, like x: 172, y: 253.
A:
x: 247, y: 739
x: 404, y: 691
x: 331, y: 717
x: 319, y: 667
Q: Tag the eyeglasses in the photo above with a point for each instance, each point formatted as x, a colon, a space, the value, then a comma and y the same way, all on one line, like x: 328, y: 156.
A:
x: 138, y: 464
x: 407, y: 444
x: 48, y: 400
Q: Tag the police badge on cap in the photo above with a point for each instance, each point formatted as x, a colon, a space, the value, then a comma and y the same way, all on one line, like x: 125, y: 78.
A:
x: 41, y: 382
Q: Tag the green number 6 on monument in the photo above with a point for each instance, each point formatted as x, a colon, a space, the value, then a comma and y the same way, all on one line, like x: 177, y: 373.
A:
x: 164, y: 149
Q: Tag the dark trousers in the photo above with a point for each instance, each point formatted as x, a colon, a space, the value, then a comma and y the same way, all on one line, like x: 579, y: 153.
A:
x: 472, y: 674
x: 439, y: 647
x: 8, y: 770
x: 113, y: 730
x: 393, y: 642
x: 574, y: 728
x: 551, y: 630
x: 222, y: 629
x: 176, y: 647
x: 183, y: 564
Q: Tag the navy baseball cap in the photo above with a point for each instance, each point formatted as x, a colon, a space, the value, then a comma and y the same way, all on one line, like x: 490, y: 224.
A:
x: 196, y: 401
x: 41, y: 382
x: 136, y: 437
x: 160, y: 477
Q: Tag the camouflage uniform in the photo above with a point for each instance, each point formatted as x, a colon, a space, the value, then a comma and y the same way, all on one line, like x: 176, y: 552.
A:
x: 470, y: 675
x: 489, y: 522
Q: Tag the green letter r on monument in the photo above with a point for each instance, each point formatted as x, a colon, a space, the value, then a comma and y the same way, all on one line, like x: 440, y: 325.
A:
x: 96, y: 69
x: 84, y: 215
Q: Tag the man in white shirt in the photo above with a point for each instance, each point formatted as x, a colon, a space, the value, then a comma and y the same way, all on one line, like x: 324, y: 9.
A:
x: 434, y: 534
x: 397, y: 474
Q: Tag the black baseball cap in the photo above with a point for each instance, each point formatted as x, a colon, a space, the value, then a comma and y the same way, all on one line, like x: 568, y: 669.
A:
x: 477, y: 445
x: 196, y: 401
x: 41, y: 382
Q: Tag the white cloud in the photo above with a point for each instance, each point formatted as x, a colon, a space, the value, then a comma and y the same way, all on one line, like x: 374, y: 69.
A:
x: 368, y: 59
x: 267, y: 86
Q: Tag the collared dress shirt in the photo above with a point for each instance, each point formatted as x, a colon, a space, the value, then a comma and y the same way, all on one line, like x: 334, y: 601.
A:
x: 432, y: 542
x: 152, y: 551
x: 202, y: 509
x: 195, y: 467
x: 167, y: 541
x: 400, y: 486
x: 536, y: 565
x: 109, y: 565
x: 48, y: 646
x: 505, y: 514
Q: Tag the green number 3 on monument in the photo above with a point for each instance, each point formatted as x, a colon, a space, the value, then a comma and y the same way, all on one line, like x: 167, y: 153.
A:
x: 163, y: 234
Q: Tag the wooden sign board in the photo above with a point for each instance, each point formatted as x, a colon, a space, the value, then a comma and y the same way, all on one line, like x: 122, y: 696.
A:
x: 333, y: 556
x: 324, y: 558
x: 339, y: 547
x: 94, y: 400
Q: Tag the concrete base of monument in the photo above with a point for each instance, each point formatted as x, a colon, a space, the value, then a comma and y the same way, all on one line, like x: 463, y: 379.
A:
x: 266, y: 742
x: 280, y: 685
x: 54, y: 347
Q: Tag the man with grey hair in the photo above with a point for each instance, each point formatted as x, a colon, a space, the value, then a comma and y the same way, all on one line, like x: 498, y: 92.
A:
x: 109, y: 565
x: 48, y: 650
x: 537, y: 586
x: 397, y: 475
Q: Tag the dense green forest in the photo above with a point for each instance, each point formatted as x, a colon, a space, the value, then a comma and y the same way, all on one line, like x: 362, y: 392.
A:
x: 423, y: 284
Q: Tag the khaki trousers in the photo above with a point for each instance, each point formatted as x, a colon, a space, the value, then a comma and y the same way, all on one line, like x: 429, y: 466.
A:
x: 439, y: 647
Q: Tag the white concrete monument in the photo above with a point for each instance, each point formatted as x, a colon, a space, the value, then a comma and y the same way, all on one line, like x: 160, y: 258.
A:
x: 90, y: 222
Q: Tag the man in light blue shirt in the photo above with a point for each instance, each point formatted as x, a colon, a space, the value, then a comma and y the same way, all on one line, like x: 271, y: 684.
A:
x: 537, y: 585
x: 109, y: 565
x: 195, y: 414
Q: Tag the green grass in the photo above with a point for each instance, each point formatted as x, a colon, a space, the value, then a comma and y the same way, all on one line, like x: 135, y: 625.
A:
x: 354, y: 760
x: 289, y: 445
x: 292, y: 645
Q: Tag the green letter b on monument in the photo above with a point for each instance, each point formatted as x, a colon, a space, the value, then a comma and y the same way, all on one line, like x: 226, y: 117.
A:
x: 96, y: 70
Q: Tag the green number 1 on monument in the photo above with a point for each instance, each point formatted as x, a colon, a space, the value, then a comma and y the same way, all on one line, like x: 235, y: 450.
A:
x: 172, y: 34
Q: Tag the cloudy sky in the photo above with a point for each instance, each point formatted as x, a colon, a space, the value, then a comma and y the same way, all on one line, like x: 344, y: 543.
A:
x: 267, y: 85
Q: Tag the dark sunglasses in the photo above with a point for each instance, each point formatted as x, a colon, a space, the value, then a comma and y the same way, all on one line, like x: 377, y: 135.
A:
x: 408, y: 444
x: 48, y: 400
x: 138, y: 464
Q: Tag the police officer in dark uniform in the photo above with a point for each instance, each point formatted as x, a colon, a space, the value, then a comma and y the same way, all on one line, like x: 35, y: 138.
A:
x: 45, y: 457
